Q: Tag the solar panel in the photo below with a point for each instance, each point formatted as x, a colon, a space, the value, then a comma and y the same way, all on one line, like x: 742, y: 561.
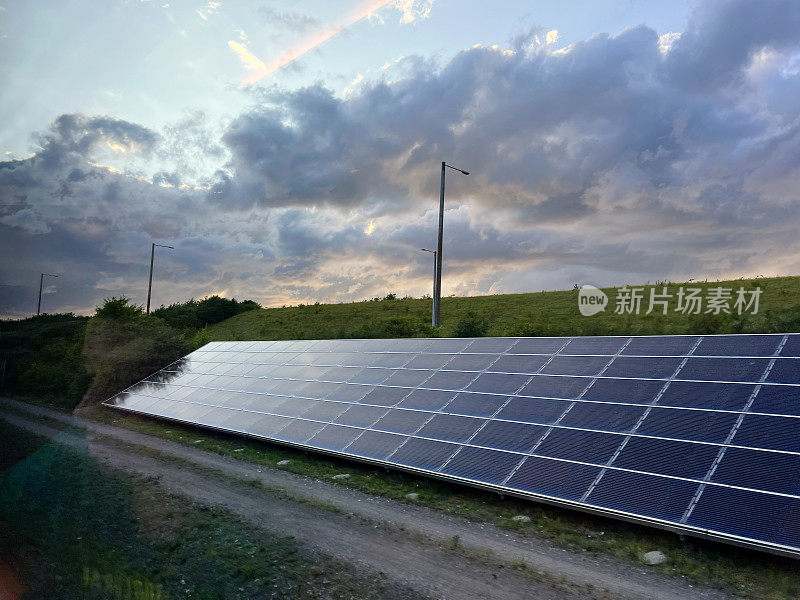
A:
x: 695, y: 434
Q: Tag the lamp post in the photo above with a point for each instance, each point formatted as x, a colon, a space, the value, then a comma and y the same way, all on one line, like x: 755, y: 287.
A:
x: 433, y: 297
x: 152, y: 256
x: 437, y: 288
x: 41, y: 282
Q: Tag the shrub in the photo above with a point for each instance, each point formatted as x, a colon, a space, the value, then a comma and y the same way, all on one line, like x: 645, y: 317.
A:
x: 120, y: 350
x: 471, y: 326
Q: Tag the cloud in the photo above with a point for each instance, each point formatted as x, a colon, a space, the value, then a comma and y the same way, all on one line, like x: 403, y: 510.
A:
x: 250, y: 61
x: 612, y: 161
x: 209, y: 9
x: 411, y: 10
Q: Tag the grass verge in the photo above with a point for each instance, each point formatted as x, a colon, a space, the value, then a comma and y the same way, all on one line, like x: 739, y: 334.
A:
x: 71, y: 529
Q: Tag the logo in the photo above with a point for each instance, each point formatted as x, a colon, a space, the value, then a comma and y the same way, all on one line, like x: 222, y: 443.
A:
x: 591, y: 300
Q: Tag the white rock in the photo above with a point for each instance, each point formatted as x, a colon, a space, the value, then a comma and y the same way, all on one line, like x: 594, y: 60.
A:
x: 342, y: 476
x: 656, y: 557
x: 283, y: 462
x: 413, y: 496
x: 521, y: 518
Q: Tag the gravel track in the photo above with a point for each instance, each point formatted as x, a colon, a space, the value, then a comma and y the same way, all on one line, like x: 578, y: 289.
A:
x: 385, y: 537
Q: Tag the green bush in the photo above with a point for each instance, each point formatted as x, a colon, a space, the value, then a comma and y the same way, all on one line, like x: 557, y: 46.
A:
x: 118, y: 352
x: 471, y: 326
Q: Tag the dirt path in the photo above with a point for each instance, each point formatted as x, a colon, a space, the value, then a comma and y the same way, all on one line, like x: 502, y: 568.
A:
x: 374, y: 533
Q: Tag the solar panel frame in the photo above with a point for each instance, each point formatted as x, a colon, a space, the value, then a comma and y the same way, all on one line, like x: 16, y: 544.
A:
x: 292, y: 352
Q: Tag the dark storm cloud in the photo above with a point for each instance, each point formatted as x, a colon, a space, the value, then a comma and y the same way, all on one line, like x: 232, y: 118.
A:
x: 618, y: 159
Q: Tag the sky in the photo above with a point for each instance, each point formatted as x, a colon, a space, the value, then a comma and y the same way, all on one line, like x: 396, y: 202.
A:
x: 290, y: 151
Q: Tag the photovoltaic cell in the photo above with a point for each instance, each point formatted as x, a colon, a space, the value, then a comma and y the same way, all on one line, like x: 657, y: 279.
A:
x: 697, y: 433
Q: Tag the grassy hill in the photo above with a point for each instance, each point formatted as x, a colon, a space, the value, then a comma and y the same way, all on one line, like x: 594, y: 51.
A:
x: 536, y: 314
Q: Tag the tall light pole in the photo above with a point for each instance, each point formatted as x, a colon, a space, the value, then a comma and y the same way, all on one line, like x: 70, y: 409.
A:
x: 437, y: 288
x: 433, y: 310
x: 150, y: 285
x: 41, y: 282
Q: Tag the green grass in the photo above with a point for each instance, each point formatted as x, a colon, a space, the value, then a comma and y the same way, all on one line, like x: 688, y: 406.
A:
x: 71, y: 529
x: 747, y: 573
x: 535, y: 314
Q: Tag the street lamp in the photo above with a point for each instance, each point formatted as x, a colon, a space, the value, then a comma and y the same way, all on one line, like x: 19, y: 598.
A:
x: 150, y: 285
x: 437, y: 288
x: 41, y: 281
x: 433, y: 310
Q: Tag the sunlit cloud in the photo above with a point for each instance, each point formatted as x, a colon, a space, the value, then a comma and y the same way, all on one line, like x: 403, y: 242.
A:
x: 411, y: 10
x: 209, y: 9
x: 250, y: 61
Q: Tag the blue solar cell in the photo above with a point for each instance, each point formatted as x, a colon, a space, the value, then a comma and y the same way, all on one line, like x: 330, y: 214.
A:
x: 408, y: 378
x: 427, y: 399
x: 777, y: 399
x: 760, y: 469
x: 492, y: 345
x: 298, y: 431
x: 371, y: 375
x: 792, y: 346
x: 450, y: 380
x: 517, y: 437
x: 498, y: 383
x: 666, y: 457
x: 407, y: 345
x: 450, y: 428
x: 429, y: 361
x: 385, y: 396
x: 547, y: 386
x: 785, y: 370
x: 471, y: 362
x: 533, y: 410
x: 294, y: 407
x: 347, y: 392
x: 476, y: 405
x: 553, y: 478
x: 777, y: 433
x: 702, y: 426
x: 266, y: 425
x: 451, y: 345
x: 717, y: 396
x: 660, y: 345
x: 340, y: 374
x: 585, y: 446
x: 401, y: 421
x: 325, y: 410
x: 391, y: 361
x: 375, y: 444
x: 635, y: 391
x: 334, y: 437
x: 576, y: 365
x: 647, y: 367
x: 604, y: 417
x: 423, y: 454
x: 318, y: 390
x: 538, y: 345
x: 594, y: 345
x: 485, y: 466
x: 360, y: 416
x: 754, y: 515
x: 519, y: 363
x: 738, y: 345
x: 659, y: 497
x: 724, y: 369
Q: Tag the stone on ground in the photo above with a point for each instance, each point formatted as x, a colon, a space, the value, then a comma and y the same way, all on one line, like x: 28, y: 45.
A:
x: 342, y: 476
x: 656, y: 557
x: 413, y: 496
x: 521, y: 518
x: 283, y: 462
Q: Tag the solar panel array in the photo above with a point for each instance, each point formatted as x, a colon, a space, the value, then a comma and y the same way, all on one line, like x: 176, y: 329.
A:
x: 698, y: 434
